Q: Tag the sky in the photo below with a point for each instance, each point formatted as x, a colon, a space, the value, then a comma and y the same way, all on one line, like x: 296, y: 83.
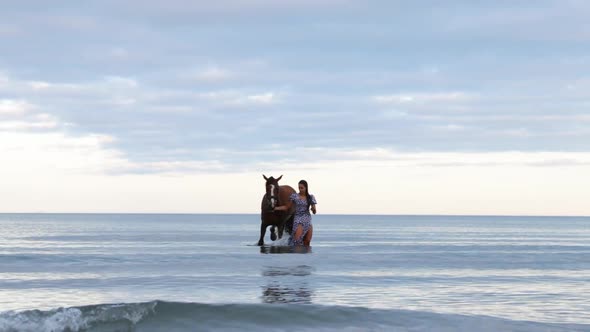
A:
x: 384, y: 107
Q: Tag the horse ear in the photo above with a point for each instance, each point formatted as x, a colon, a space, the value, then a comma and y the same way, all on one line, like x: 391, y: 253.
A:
x: 264, y: 176
x: 279, y: 177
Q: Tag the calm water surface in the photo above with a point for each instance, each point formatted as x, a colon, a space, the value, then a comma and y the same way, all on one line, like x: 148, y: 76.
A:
x: 425, y: 269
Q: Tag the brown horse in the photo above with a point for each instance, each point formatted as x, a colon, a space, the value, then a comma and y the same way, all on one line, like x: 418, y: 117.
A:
x: 275, y: 196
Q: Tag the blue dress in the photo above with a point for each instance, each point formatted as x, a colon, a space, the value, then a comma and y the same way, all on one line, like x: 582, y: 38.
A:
x: 302, y: 216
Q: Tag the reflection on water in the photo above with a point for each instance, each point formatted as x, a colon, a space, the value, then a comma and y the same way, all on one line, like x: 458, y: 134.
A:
x: 285, y: 249
x: 286, y: 295
x: 299, y: 271
x: 287, y: 285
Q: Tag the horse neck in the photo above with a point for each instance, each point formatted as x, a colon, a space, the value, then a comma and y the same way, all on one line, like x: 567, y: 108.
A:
x: 284, y: 193
x: 279, y: 200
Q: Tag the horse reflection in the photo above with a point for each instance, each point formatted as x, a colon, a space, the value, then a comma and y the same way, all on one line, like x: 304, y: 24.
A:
x: 285, y: 249
x: 273, y: 294
x: 298, y: 271
x: 283, y: 289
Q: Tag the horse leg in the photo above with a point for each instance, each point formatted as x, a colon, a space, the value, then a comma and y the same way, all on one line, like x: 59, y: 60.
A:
x: 273, y: 234
x: 262, y: 232
x: 289, y: 225
x: 281, y: 229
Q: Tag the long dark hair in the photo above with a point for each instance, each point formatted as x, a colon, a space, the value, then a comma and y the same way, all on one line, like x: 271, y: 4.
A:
x: 308, y: 196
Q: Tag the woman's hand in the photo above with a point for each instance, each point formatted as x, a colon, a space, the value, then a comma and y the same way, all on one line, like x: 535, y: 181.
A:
x: 313, y: 209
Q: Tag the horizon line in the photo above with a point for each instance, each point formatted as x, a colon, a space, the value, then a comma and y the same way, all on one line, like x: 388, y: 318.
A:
x: 325, y: 214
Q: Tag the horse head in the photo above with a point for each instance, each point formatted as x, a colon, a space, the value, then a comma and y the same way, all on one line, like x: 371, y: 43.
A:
x: 272, y: 191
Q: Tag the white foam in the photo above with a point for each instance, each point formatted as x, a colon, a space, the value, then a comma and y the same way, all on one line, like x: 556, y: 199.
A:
x: 72, y: 319
x: 35, y: 321
x: 284, y: 241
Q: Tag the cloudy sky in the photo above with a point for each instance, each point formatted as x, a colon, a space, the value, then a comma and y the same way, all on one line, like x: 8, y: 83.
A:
x: 385, y: 107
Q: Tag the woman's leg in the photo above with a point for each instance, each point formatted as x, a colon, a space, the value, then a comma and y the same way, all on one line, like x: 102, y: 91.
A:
x: 308, y: 235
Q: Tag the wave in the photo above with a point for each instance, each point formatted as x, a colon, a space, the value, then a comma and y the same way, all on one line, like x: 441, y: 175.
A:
x: 178, y: 316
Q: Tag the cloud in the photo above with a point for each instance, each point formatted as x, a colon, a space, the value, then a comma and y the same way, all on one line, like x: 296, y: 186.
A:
x: 451, y: 120
x: 14, y: 107
x: 326, y: 159
x: 75, y: 22
x: 214, y: 74
x: 95, y: 154
x: 265, y: 98
x: 22, y: 125
x: 184, y: 7
x: 120, y: 82
x: 190, y: 84
x: 238, y: 98
x: 37, y: 142
x: 58, y: 153
x: 423, y: 98
x: 39, y: 85
x: 104, y: 86
x: 184, y: 167
x: 4, y: 79
x: 322, y: 158
x: 118, y: 53
x: 449, y: 127
x: 9, y: 30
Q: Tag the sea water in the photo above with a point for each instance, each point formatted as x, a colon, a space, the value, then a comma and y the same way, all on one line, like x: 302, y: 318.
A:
x: 169, y: 272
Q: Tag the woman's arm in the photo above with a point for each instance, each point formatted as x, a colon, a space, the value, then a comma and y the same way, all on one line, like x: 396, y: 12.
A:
x: 313, y: 209
x: 285, y: 207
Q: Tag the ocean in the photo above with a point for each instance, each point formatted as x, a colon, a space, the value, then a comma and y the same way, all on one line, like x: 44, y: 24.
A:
x: 172, y: 272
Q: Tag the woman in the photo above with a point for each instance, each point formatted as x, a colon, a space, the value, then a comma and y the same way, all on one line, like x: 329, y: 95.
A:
x: 302, y: 228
